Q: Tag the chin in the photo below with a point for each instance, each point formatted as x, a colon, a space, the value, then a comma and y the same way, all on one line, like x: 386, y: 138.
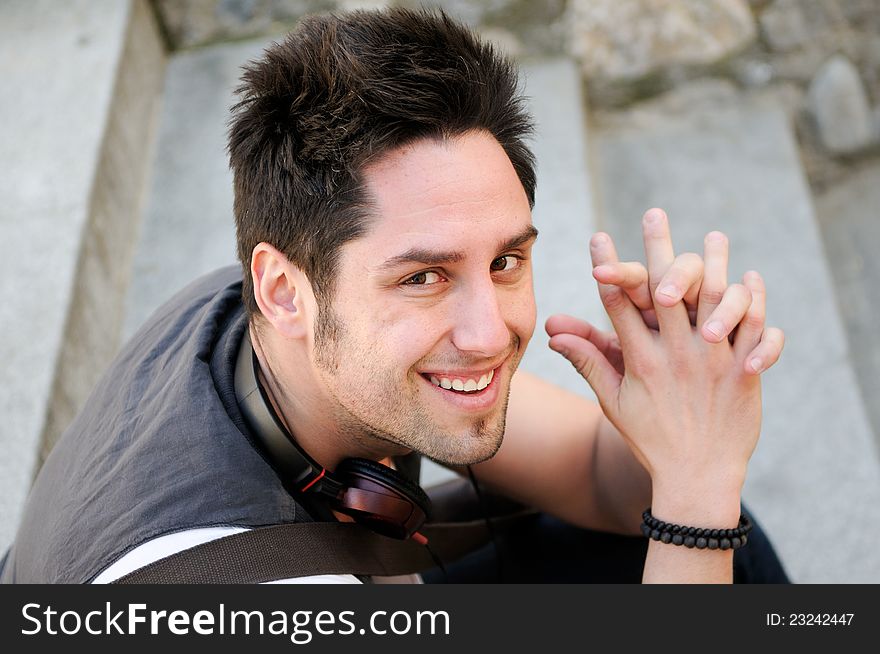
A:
x: 475, y: 446
x: 462, y: 460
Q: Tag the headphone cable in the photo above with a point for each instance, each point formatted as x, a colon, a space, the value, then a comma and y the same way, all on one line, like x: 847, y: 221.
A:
x: 438, y: 563
x: 481, y: 498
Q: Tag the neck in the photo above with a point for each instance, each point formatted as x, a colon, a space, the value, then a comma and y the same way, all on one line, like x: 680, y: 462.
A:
x: 310, y: 414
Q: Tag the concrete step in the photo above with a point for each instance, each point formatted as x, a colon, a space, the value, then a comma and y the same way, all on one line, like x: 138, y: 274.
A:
x: 850, y: 226
x: 80, y: 90
x: 564, y: 214
x: 716, y: 160
x: 188, y: 228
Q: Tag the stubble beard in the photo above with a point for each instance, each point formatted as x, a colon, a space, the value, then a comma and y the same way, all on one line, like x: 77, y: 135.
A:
x: 404, y: 422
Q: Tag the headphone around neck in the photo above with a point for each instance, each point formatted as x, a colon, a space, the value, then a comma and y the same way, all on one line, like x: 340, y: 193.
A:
x: 374, y: 495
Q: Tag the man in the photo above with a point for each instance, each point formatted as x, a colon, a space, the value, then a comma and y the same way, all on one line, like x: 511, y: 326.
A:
x: 383, y: 196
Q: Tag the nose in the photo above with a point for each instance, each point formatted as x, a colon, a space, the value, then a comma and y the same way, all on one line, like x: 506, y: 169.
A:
x: 479, y: 322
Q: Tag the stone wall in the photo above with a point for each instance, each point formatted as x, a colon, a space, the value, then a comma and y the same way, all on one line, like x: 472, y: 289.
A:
x: 820, y: 57
x: 524, y: 27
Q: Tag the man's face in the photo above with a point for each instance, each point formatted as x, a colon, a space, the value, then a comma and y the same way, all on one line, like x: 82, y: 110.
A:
x: 438, y: 293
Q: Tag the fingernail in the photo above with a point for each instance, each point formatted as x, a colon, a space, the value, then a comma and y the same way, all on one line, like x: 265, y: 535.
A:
x: 756, y: 364
x: 716, y: 329
x: 670, y: 292
x: 602, y: 270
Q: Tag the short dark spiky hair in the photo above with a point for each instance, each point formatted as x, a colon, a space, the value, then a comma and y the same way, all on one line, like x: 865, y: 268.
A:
x: 337, y: 94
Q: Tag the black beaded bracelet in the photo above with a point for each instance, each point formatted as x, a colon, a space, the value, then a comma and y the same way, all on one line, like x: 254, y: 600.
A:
x: 702, y: 539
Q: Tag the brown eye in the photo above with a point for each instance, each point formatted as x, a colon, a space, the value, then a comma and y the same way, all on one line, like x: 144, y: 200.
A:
x: 423, y: 279
x: 503, y: 263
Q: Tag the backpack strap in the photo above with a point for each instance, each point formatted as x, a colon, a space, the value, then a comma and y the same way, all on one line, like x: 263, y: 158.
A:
x: 314, y: 548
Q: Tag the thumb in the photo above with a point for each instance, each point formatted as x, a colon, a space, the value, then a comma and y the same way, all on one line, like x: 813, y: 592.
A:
x: 591, y: 364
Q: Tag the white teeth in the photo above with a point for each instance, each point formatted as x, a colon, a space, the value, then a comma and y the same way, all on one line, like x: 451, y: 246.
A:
x: 468, y: 386
x: 485, y: 380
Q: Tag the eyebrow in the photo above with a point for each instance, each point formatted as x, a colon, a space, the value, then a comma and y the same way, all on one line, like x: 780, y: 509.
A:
x: 434, y: 258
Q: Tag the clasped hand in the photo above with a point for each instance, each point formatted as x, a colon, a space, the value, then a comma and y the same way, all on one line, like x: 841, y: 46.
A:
x: 680, y: 377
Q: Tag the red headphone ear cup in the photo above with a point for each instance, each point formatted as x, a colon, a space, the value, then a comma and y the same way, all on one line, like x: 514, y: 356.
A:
x: 381, y: 498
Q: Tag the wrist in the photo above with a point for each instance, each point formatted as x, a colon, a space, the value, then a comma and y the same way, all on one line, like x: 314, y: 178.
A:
x: 714, y: 504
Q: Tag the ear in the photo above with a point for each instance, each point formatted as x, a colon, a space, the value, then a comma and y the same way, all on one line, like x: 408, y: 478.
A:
x: 281, y: 290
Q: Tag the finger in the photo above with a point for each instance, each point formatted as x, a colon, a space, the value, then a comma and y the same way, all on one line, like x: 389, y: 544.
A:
x: 691, y: 300
x: 624, y: 315
x: 627, y: 274
x: 685, y: 275
x: 632, y: 277
x: 767, y: 352
x: 692, y: 296
x: 715, y: 248
x: 606, y: 342
x: 602, y: 251
x: 660, y: 255
x: 658, y: 246
x: 750, y: 330
x: 728, y: 314
x: 591, y: 364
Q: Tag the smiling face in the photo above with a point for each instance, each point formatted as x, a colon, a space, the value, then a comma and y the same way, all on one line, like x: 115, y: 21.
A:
x: 434, y: 306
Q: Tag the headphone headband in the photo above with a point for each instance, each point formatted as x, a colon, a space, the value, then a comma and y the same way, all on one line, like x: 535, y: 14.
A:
x: 297, y: 467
